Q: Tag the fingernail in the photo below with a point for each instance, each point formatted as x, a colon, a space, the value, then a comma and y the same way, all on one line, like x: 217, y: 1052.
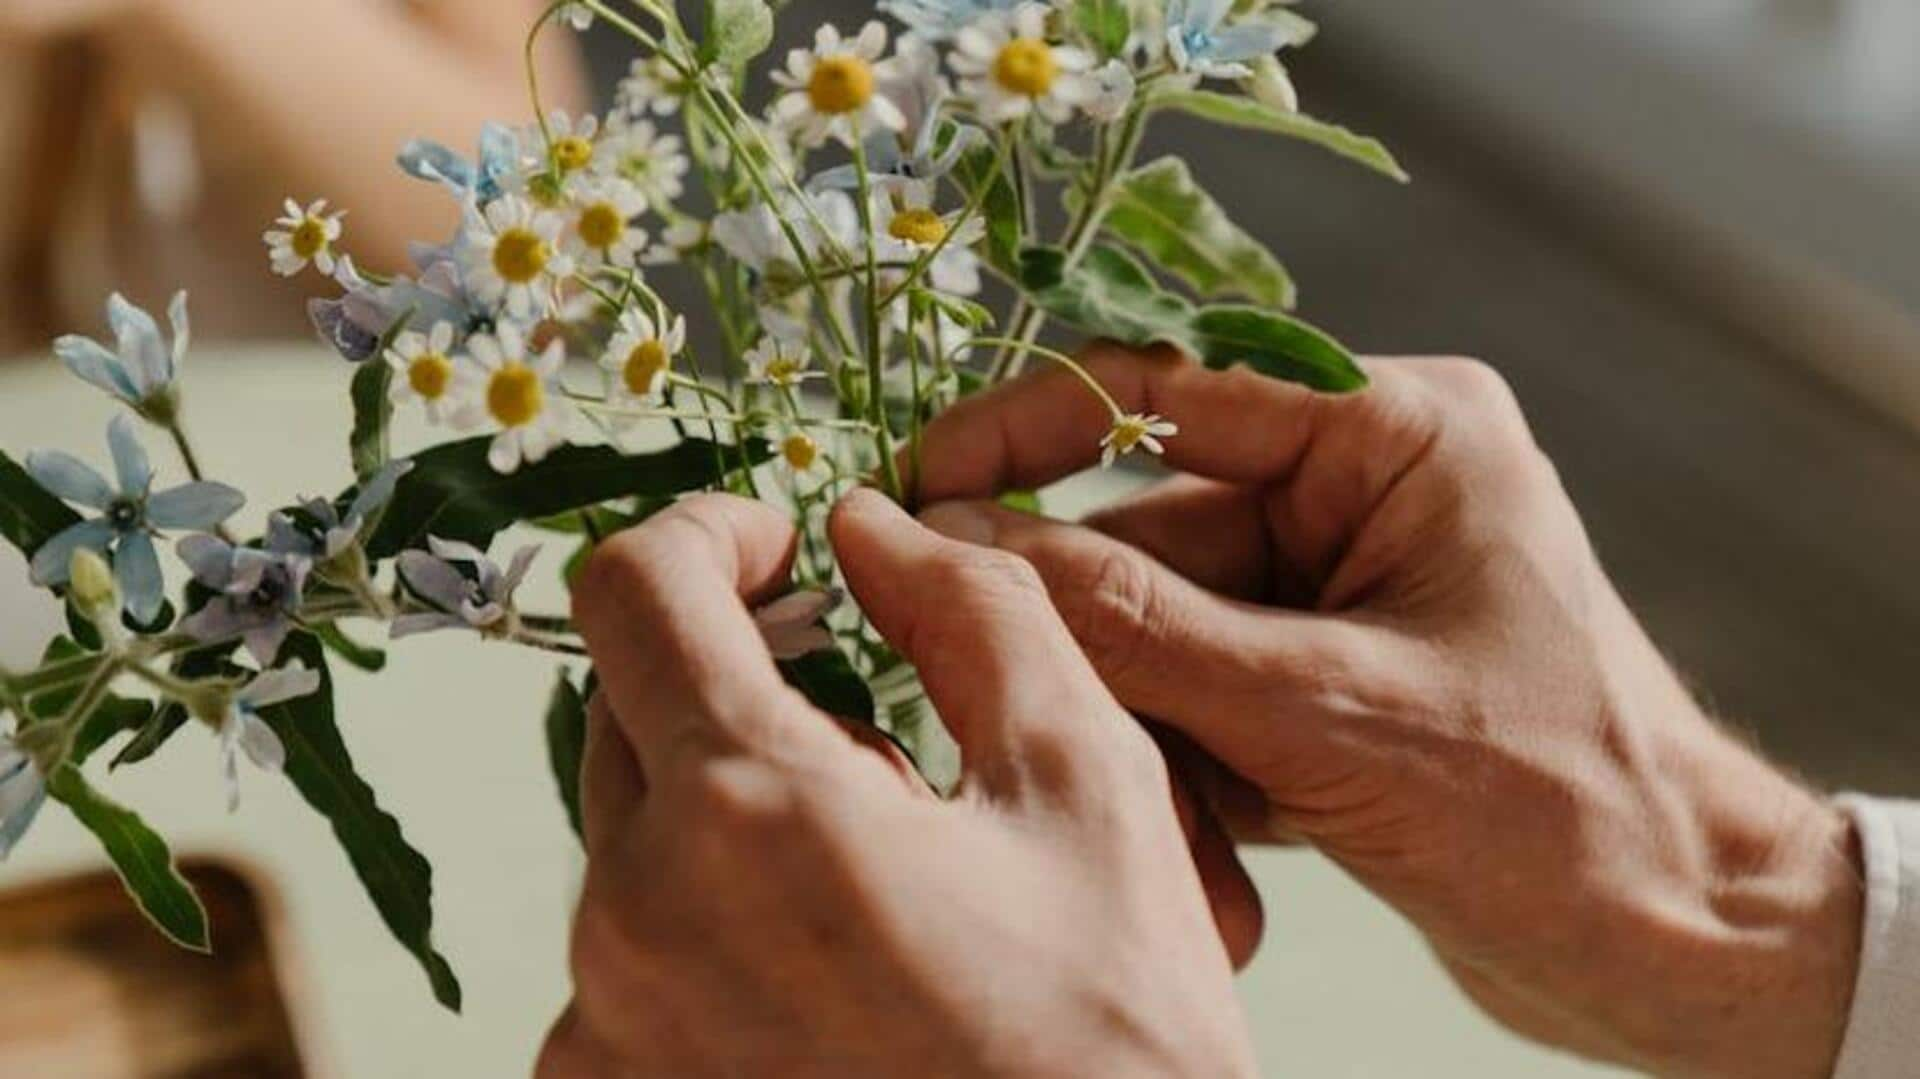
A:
x: 961, y: 521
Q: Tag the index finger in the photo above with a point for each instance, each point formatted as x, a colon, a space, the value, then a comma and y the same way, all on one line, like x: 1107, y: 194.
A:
x: 1235, y: 425
x: 664, y: 611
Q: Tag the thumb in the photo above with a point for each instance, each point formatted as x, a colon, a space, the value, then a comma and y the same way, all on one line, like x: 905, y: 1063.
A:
x: 1242, y: 681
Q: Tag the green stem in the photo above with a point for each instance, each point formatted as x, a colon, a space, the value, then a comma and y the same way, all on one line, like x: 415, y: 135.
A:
x: 876, y: 388
x: 1060, y: 358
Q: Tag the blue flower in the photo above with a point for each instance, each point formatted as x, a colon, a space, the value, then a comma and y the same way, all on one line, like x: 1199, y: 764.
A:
x: 354, y: 324
x: 131, y: 512
x: 142, y: 368
x: 940, y: 20
x: 257, y: 593
x: 479, y: 597
x: 483, y: 181
x: 1199, y: 43
x: 331, y: 533
x: 22, y: 792
x: 243, y: 731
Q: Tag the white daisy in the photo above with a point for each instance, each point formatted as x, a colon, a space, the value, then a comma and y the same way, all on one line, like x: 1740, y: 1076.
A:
x: 569, y: 142
x: 512, y: 256
x: 834, y: 88
x: 640, y: 356
x: 304, y: 237
x: 1132, y: 431
x: 579, y: 16
x: 800, y: 451
x: 426, y: 370
x: 635, y: 151
x: 652, y: 85
x: 600, y: 228
x: 777, y: 361
x: 519, y: 395
x: 1009, y: 70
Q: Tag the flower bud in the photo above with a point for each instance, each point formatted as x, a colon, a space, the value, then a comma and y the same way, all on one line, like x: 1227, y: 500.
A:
x: 1272, y: 86
x: 93, y: 589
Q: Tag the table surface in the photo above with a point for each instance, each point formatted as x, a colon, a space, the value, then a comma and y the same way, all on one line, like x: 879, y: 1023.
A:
x: 451, y: 739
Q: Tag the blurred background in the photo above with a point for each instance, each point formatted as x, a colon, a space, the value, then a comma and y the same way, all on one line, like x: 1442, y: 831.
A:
x: 1686, y: 232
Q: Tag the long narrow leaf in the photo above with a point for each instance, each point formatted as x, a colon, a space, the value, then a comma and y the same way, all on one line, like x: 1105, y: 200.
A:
x: 139, y: 856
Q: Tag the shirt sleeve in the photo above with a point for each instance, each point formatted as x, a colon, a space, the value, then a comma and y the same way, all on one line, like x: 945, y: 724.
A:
x: 1883, y: 1033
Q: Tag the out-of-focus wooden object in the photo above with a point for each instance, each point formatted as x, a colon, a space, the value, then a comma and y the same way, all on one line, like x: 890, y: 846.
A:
x: 88, y: 990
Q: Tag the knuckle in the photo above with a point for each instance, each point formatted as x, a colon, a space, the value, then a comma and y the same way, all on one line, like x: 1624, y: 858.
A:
x: 737, y: 802
x: 1112, y: 604
x: 972, y: 586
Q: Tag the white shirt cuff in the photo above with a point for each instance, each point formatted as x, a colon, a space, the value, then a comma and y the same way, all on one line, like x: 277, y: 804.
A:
x: 1883, y: 1033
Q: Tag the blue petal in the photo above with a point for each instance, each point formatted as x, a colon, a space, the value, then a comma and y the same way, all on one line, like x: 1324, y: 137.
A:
x: 209, y: 558
x: 197, y: 506
x: 428, y: 160
x: 92, y: 363
x: 20, y: 818
x: 1248, y: 41
x: 130, y: 464
x: 70, y: 478
x: 142, y: 352
x: 1204, y: 15
x: 136, y: 566
x: 378, y: 491
x: 182, y: 331
x: 50, y: 562
x: 499, y: 157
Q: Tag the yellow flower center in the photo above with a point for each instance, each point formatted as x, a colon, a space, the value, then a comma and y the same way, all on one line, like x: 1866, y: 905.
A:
x: 1026, y: 66
x: 602, y: 225
x: 840, y: 84
x: 783, y: 370
x: 519, y: 256
x: 1127, y: 433
x: 309, y: 237
x: 515, y: 395
x: 800, y: 452
x: 917, y: 226
x: 429, y: 374
x: 644, y: 365
x: 572, y: 153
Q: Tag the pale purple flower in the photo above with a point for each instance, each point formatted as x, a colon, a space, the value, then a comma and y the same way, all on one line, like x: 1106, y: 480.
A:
x: 23, y: 790
x: 258, y: 593
x: 792, y: 624
x: 131, y: 514
x: 141, y: 369
x: 331, y: 532
x: 468, y: 590
x: 354, y: 323
x: 243, y: 731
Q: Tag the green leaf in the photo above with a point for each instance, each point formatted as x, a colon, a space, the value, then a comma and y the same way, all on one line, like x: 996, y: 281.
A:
x: 1106, y: 293
x: 363, y: 656
x: 29, y: 515
x: 1248, y: 113
x: 372, y: 413
x: 567, y: 744
x: 1171, y: 219
x: 1110, y: 294
x: 1107, y: 24
x: 830, y: 682
x: 139, y: 856
x: 737, y: 31
x: 397, y: 877
x: 999, y: 207
x: 455, y: 494
x: 1275, y: 345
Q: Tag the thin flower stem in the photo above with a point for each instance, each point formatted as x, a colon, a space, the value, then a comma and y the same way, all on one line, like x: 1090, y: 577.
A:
x: 546, y: 643
x: 191, y: 460
x: 876, y: 388
x: 90, y: 697
x: 975, y: 200
x: 1060, y: 358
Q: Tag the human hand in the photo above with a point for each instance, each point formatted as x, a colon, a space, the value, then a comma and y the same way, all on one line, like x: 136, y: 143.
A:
x: 766, y: 895
x: 1382, y: 614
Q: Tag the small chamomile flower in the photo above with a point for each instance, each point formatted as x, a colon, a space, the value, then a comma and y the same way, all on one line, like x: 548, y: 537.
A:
x: 777, y: 361
x: 427, y: 370
x: 570, y: 142
x: 600, y: 228
x: 652, y: 85
x: 834, y: 89
x: 636, y: 151
x: 1135, y: 430
x: 640, y: 356
x: 304, y: 237
x: 800, y: 452
x: 912, y: 228
x: 1010, y: 70
x: 577, y: 15
x: 519, y: 395
x: 512, y: 256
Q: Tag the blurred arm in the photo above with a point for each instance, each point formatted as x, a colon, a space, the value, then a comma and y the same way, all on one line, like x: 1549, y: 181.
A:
x: 326, y: 94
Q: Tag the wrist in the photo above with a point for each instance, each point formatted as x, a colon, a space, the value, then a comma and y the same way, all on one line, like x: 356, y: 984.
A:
x: 1751, y: 972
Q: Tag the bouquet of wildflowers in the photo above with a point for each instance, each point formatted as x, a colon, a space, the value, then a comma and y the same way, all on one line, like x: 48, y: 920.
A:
x: 848, y: 234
